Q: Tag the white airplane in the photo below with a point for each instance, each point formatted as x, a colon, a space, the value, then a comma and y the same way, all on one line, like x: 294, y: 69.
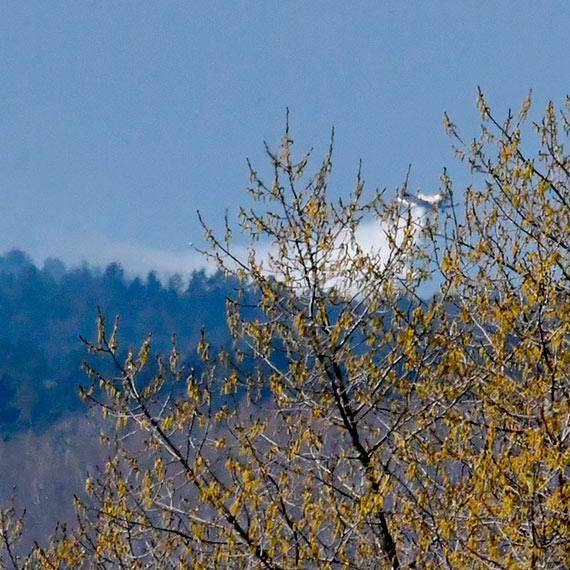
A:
x: 427, y: 201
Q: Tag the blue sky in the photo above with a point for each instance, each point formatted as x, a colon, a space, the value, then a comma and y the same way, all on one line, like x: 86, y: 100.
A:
x: 119, y: 119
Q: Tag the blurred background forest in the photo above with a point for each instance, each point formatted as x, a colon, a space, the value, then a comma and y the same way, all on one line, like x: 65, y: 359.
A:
x: 49, y: 437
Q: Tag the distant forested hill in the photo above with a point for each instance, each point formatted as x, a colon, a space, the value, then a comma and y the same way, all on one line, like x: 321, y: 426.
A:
x: 44, y: 310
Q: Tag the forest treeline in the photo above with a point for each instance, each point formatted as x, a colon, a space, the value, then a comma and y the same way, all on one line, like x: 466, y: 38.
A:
x: 44, y: 310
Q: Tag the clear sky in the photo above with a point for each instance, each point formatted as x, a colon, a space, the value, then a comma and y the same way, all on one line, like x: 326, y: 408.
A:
x: 118, y: 119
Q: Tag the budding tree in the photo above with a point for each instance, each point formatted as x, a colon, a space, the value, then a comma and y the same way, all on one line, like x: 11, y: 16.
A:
x: 353, y: 423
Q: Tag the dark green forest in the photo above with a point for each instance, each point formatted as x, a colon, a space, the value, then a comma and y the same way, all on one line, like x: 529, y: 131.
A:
x: 44, y: 310
x: 48, y: 436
